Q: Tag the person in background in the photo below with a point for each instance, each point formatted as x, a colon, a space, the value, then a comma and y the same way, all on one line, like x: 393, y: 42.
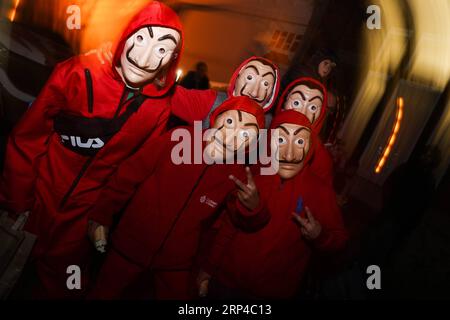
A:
x: 321, y: 66
x: 197, y: 79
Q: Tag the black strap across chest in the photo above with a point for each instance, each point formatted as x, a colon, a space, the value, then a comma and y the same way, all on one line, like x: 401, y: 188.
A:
x: 86, y: 136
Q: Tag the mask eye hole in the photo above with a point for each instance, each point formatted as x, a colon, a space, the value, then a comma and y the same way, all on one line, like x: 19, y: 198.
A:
x: 313, y: 108
x: 161, y: 51
x: 266, y: 83
x: 139, y: 38
x: 249, y: 77
x: 244, y: 134
x: 296, y: 103
x: 300, y: 142
x: 281, y: 140
x: 229, y: 121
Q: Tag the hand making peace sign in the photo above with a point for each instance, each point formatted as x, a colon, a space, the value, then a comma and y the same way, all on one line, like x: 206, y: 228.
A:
x: 309, y: 226
x: 247, y: 193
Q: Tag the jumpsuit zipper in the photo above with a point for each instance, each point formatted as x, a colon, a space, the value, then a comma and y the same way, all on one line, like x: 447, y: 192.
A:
x: 87, y: 163
x: 90, y: 90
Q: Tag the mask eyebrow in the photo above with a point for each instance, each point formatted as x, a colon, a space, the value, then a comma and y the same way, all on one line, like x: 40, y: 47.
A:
x: 150, y: 31
x: 300, y: 93
x: 256, y: 70
x: 170, y: 37
x: 240, y: 115
x: 316, y: 97
x: 300, y: 129
x: 284, y: 129
x: 268, y: 73
x: 252, y: 124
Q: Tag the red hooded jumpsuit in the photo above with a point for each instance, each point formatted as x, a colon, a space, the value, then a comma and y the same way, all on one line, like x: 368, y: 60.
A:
x: 56, y: 162
x: 161, y: 226
x: 322, y: 163
x: 271, y: 262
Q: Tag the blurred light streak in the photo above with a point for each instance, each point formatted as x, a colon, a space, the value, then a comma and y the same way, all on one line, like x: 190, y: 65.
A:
x: 179, y: 74
x: 393, y: 136
x: 441, y: 138
x: 107, y: 20
x: 381, y: 51
x: 14, y: 10
x: 430, y: 63
x: 101, y: 20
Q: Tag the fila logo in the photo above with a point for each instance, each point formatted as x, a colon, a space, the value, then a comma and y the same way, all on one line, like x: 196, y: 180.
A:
x: 209, y: 202
x: 95, y: 143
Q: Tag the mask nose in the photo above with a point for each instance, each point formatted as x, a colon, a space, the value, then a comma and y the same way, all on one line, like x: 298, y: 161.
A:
x: 289, y: 156
x: 229, y: 135
x: 231, y: 139
x: 143, y: 58
x: 303, y: 110
x: 253, y: 93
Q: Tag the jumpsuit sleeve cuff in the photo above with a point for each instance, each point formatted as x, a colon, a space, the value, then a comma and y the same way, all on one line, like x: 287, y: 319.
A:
x: 243, y: 210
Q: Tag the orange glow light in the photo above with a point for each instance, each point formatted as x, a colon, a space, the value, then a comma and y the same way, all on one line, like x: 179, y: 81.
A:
x: 392, y: 137
x: 13, y: 13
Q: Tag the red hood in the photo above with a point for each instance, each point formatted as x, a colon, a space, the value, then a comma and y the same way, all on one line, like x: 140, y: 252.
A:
x: 272, y: 100
x: 295, y: 117
x: 154, y: 14
x: 244, y: 104
x: 317, y: 126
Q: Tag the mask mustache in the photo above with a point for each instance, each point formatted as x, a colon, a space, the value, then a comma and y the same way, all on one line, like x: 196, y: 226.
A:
x: 254, y: 99
x: 226, y: 146
x: 148, y: 70
x: 293, y: 162
x: 290, y: 162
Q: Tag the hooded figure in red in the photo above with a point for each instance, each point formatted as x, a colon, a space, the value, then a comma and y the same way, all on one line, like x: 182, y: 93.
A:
x: 87, y: 119
x: 171, y: 203
x: 309, y: 97
x: 257, y: 78
x: 270, y: 263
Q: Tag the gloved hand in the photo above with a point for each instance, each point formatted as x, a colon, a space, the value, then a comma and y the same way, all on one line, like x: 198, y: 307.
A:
x: 98, y: 234
x: 203, y: 279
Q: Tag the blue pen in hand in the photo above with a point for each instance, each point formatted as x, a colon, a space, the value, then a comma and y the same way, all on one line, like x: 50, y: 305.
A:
x: 299, y: 207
